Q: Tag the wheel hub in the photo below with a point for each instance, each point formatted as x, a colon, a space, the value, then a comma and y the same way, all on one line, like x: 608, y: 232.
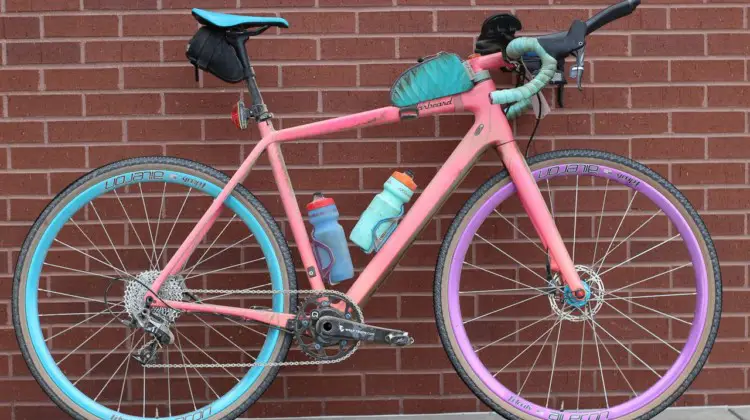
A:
x: 136, y: 290
x: 563, y: 301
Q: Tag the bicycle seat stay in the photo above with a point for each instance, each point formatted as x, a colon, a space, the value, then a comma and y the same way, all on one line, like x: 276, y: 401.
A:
x: 226, y: 21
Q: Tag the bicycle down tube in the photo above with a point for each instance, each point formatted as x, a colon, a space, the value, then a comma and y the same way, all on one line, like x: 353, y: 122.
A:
x: 490, y: 129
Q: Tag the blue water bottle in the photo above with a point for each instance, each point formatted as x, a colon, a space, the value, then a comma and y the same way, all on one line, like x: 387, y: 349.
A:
x: 381, y: 217
x: 329, y: 240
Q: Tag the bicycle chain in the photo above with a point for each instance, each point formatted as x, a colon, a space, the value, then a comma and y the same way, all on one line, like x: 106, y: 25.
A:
x: 269, y: 364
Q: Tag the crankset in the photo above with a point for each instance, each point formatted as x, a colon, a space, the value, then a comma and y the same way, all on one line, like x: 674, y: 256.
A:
x: 330, y: 327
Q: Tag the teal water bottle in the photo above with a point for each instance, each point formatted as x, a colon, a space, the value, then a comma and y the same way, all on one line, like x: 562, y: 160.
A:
x: 381, y: 217
x: 329, y: 240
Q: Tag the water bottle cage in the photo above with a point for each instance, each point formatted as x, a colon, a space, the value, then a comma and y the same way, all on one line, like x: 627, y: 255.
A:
x: 325, y: 272
x: 378, y: 243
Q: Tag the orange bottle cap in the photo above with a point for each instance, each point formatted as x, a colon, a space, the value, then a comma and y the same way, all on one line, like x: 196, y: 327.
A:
x: 405, y: 179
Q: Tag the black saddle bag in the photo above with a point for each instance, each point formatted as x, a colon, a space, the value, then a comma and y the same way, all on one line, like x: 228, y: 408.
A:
x: 210, y: 50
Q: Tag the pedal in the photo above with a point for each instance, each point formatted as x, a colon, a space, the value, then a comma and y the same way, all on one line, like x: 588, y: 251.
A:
x: 331, y: 327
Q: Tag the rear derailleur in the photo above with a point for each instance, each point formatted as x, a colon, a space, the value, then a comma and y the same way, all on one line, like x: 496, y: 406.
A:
x: 158, y: 328
x: 329, y: 326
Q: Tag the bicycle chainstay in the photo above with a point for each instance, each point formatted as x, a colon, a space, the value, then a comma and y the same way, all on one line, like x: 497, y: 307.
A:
x: 338, y: 294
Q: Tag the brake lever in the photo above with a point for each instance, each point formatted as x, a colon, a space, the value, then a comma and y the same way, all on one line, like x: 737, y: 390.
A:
x: 576, y: 71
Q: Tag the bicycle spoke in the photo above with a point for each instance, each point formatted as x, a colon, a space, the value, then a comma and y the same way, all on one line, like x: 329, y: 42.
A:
x: 226, y: 268
x: 616, y: 297
x: 640, y: 254
x: 502, y: 309
x: 169, y: 384
x: 649, y: 278
x: 88, y: 339
x: 185, y: 358
x: 652, y: 310
x: 130, y: 222
x: 598, y: 357
x: 224, y: 249
x: 90, y: 256
x: 575, y: 221
x: 92, y: 243
x: 171, y: 230
x: 102, y: 359
x: 580, y: 366
x: 598, y: 232
x: 610, y: 251
x: 109, y: 238
x: 617, y: 365
x: 533, y: 365
x: 245, y: 327
x: 501, y: 291
x: 551, y: 201
x: 642, y: 327
x: 223, y: 336
x: 154, y: 265
x: 514, y: 332
x: 509, y: 256
x: 622, y: 220
x: 554, y: 359
x: 112, y: 304
x: 207, y: 355
x: 513, y: 225
x: 187, y: 377
x: 80, y: 271
x: 200, y: 259
x: 103, y: 311
x: 626, y: 348
x: 144, y: 391
x: 559, y: 320
x: 540, y: 290
x: 125, y: 377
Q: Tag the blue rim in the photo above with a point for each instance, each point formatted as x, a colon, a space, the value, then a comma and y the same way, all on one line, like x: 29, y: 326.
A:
x: 40, y: 252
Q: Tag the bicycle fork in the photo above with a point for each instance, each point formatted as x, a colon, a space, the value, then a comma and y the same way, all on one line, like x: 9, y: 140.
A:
x: 535, y: 206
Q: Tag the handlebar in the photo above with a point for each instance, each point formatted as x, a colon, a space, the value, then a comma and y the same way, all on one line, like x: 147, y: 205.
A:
x: 558, y: 46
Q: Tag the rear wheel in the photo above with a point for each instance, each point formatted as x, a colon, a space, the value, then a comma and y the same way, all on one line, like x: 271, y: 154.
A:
x: 83, y: 272
x: 525, y: 346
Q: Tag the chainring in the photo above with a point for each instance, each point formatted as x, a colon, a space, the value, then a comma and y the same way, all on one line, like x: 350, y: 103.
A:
x: 313, y: 308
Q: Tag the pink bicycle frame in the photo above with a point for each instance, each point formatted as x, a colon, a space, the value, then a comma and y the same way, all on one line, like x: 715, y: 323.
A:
x: 490, y: 129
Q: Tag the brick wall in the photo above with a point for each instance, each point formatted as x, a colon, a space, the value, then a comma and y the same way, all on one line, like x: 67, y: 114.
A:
x: 86, y: 82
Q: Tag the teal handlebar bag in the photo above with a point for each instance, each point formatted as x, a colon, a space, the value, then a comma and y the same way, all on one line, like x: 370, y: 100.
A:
x: 443, y: 74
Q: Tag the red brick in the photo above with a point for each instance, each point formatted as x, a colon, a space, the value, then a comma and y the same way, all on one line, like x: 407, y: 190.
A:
x: 603, y: 45
x: 44, y: 53
x: 548, y: 19
x: 665, y: 45
x: 159, y: 77
x: 208, y: 4
x: 84, y: 131
x: 395, y: 22
x: 353, y: 100
x: 211, y: 154
x: 728, y: 96
x: 706, y: 18
x: 80, y: 26
x: 119, y: 4
x: 40, y: 5
x: 708, y: 173
x: 160, y: 25
x: 713, y: 122
x: 380, y: 74
x: 357, y: 48
x: 462, y: 20
x: 19, y: 80
x: 122, y: 104
x: 630, y: 123
x: 47, y: 157
x: 319, y: 23
x: 667, y: 96
x: 319, y: 76
x: 81, y: 79
x: 21, y: 132
x: 729, y: 44
x: 102, y: 155
x: 164, y: 130
x: 403, y: 384
x: 707, y: 71
x: 667, y: 147
x: 16, y: 27
x: 645, y: 19
x: 279, y: 49
x: 334, y: 3
x: 24, y: 184
x: 728, y: 147
x: 122, y: 51
x: 596, y: 98
x: 324, y: 386
x: 44, y: 106
x: 355, y: 407
x: 416, y: 47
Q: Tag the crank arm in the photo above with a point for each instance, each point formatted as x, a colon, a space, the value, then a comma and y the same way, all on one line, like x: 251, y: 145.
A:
x: 332, y: 327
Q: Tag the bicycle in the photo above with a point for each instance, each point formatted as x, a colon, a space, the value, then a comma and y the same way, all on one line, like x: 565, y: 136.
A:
x: 131, y: 306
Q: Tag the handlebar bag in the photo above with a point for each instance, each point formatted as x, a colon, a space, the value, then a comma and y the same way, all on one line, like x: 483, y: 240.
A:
x: 443, y: 74
x: 209, y: 50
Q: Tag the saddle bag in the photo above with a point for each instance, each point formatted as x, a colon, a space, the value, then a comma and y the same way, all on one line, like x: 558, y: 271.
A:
x: 443, y: 74
x: 209, y: 50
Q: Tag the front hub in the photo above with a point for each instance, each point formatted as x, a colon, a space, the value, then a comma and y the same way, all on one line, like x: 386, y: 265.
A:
x: 566, y: 306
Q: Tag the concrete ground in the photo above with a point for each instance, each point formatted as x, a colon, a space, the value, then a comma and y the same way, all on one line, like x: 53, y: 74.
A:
x: 679, y: 413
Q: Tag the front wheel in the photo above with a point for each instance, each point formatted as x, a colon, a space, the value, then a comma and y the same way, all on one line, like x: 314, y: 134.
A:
x: 526, y: 347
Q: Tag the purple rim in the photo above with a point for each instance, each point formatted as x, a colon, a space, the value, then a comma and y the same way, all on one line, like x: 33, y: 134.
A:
x: 696, y: 330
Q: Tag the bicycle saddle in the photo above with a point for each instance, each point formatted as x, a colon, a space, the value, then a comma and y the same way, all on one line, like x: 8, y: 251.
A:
x: 226, y: 21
